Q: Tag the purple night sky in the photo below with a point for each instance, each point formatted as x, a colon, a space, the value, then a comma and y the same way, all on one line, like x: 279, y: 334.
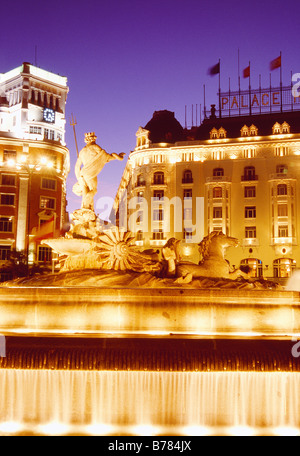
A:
x: 124, y: 59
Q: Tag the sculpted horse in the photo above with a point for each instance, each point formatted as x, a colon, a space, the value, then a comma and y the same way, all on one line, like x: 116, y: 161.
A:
x: 213, y: 264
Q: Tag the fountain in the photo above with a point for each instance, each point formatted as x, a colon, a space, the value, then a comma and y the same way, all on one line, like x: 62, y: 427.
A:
x: 121, y: 342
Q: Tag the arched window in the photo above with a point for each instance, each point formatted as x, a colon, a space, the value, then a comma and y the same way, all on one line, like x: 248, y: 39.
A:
x: 245, y: 131
x: 222, y: 133
x: 276, y: 128
x: 283, y: 267
x: 253, y: 130
x: 249, y: 173
x: 187, y: 177
x: 285, y: 128
x: 281, y: 189
x: 217, y: 192
x: 254, y: 266
x: 158, y: 178
x: 214, y: 133
x: 217, y: 172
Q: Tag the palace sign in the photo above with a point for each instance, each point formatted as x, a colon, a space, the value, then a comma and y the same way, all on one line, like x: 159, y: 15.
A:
x: 259, y: 101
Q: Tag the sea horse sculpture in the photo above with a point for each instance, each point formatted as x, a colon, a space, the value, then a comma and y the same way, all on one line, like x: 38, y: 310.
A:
x: 213, y: 264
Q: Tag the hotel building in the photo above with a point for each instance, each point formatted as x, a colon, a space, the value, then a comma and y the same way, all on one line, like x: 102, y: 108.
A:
x: 34, y: 161
x: 239, y: 173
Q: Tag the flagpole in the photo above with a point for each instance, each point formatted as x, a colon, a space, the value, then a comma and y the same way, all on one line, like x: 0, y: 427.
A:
x: 250, y: 90
x: 220, y: 88
x: 281, y: 82
x: 239, y: 81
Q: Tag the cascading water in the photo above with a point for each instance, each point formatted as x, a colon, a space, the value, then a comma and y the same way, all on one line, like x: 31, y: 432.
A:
x: 123, y: 400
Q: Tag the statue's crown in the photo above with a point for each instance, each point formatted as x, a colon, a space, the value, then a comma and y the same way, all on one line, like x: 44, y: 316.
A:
x: 89, y: 137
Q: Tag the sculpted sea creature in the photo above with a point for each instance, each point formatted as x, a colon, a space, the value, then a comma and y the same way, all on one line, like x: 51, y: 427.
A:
x: 213, y: 264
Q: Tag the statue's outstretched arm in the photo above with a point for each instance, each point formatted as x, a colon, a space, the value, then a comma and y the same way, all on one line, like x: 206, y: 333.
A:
x: 118, y: 156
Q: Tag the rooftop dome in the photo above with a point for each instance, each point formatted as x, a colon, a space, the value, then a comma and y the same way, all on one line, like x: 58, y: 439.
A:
x: 163, y: 127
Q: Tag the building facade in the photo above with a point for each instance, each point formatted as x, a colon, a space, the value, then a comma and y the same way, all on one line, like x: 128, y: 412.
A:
x: 236, y: 174
x: 34, y: 162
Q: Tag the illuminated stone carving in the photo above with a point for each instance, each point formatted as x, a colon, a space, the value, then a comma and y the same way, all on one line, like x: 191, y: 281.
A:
x: 90, y: 162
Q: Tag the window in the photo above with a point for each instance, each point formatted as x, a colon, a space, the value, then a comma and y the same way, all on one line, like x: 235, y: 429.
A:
x: 187, y: 177
x: 9, y: 155
x: 249, y: 173
x: 249, y: 153
x: 6, y: 224
x: 35, y: 130
x: 8, y: 179
x: 250, y: 192
x: 140, y: 180
x: 5, y: 252
x: 158, y: 215
x: 188, y: 213
x: 48, y: 184
x: 49, y: 134
x: 47, y: 202
x: 281, y: 189
x: 222, y: 133
x: 217, y: 172
x: 44, y: 254
x: 250, y: 211
x: 245, y: 131
x: 217, y: 192
x: 139, y: 235
x: 7, y: 199
x: 285, y: 128
x: 158, y: 195
x: 158, y: 178
x: 139, y: 218
x: 188, y: 234
x: 276, y: 128
x: 157, y: 234
x: 214, y: 133
x: 254, y: 265
x: 282, y: 169
x: 283, y: 267
x: 250, y: 232
x: 218, y: 155
x: 281, y: 151
x: 253, y: 130
x: 187, y: 193
x: 283, y: 231
x: 217, y: 212
x: 282, y: 210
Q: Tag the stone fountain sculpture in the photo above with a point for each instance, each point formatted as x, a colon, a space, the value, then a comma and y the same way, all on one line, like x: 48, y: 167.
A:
x: 101, y: 254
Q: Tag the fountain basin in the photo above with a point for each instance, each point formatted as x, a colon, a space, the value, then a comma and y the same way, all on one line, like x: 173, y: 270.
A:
x: 93, y: 311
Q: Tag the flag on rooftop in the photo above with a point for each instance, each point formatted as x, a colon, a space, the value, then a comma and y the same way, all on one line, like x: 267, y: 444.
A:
x: 212, y: 71
x: 246, y: 72
x: 276, y: 63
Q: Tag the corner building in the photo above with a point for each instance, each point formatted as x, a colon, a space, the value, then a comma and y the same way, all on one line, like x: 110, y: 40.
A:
x: 236, y: 174
x: 34, y: 161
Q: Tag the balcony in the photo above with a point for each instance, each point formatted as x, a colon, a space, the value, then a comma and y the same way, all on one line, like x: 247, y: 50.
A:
x: 187, y: 180
x: 249, y: 177
x: 288, y: 240
x: 281, y: 176
x: 217, y: 179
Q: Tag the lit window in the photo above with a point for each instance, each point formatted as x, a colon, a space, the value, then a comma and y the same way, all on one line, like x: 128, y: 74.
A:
x: 285, y: 128
x: 283, y: 267
x: 254, y: 265
x: 47, y: 202
x: 253, y: 130
x: 6, y: 224
x: 250, y: 212
x: 35, y: 130
x: 214, y: 133
x: 139, y: 235
x: 9, y: 155
x: 249, y: 173
x: 222, y: 133
x: 245, y: 131
x: 188, y: 234
x: 217, y: 192
x: 276, y: 128
x: 281, y: 169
